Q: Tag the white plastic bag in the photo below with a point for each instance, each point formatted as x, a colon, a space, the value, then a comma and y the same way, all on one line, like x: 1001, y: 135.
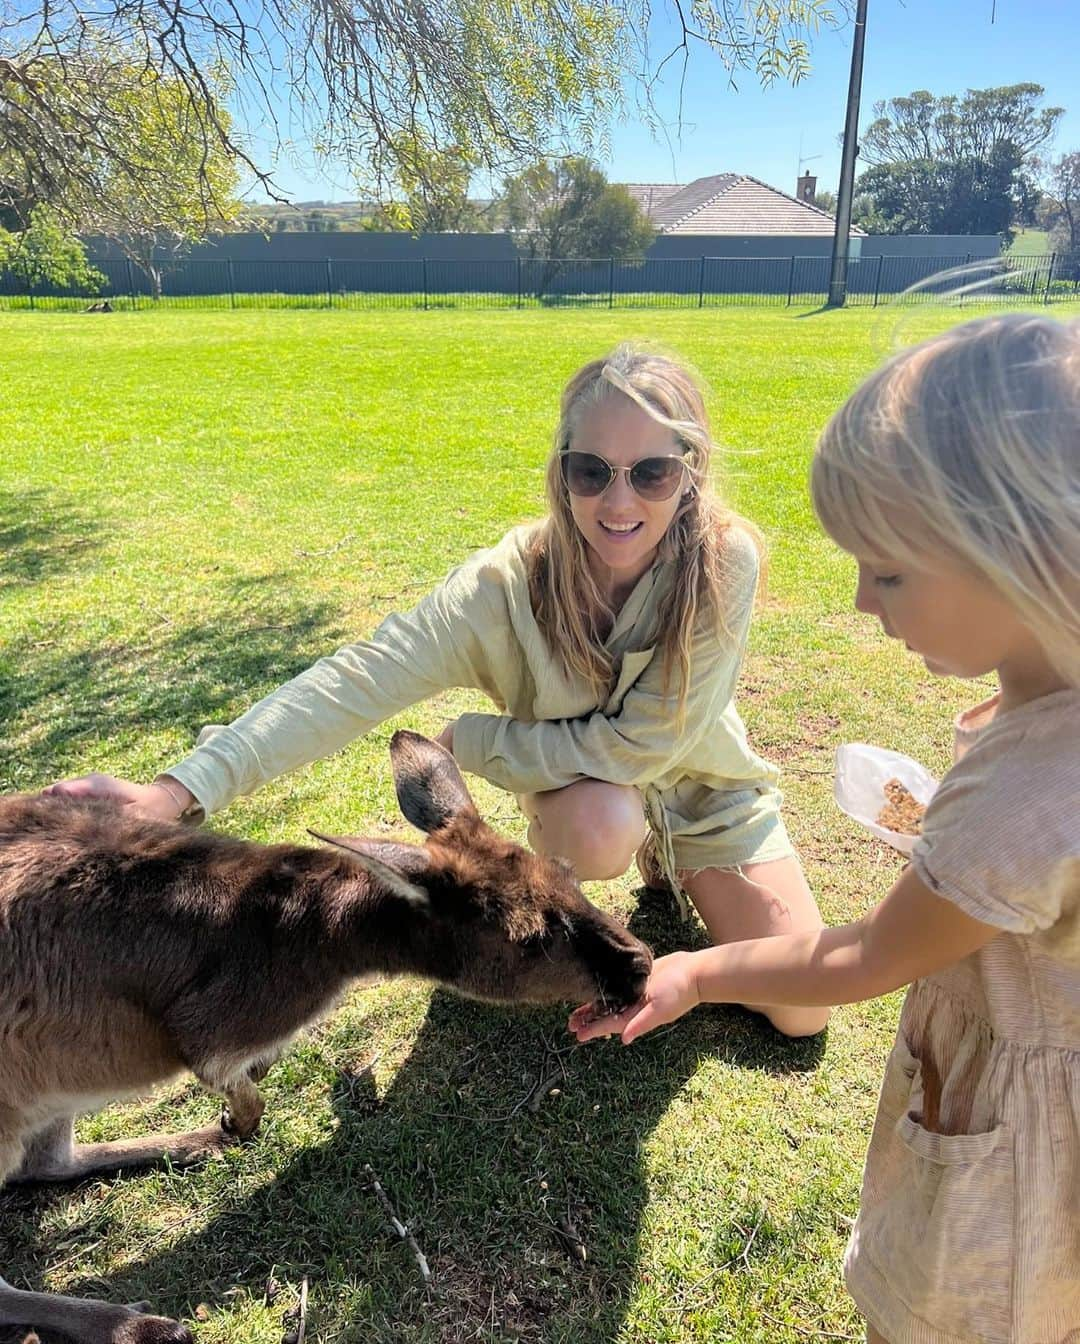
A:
x: 862, y: 771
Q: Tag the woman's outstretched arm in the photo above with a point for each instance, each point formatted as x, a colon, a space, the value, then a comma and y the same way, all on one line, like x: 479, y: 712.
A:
x: 438, y: 645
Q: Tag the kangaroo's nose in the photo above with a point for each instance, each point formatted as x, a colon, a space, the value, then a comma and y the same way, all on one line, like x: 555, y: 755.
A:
x: 635, y: 974
x: 641, y: 966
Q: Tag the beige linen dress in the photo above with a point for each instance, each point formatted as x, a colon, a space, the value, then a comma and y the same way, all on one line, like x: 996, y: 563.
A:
x: 710, y: 799
x: 969, y: 1224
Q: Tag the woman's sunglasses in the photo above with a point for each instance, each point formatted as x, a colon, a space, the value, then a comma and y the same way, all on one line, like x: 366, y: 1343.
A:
x: 653, y: 478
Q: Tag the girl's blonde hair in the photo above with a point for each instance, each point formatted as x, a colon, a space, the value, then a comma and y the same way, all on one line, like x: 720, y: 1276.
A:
x: 968, y: 447
x: 570, y: 610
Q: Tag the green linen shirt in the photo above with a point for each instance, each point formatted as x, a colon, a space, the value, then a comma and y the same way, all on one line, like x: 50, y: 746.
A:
x: 477, y: 630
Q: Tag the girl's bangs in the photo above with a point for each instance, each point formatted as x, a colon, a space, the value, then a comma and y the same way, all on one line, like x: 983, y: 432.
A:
x: 860, y: 521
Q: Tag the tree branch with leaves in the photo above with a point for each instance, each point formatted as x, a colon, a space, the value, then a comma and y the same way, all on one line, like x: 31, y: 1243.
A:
x: 1059, y: 209
x: 954, y: 164
x: 505, y: 80
x: 565, y: 209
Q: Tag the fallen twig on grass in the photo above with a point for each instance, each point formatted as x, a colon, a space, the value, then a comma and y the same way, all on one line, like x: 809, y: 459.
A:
x: 547, y: 1079
x: 806, y: 1330
x: 402, y: 1229
x: 299, y: 1314
x: 686, y: 1293
x: 571, y: 1239
x: 543, y: 1087
x: 301, y: 1327
x: 337, y: 546
x: 749, y: 1242
x: 352, y: 1081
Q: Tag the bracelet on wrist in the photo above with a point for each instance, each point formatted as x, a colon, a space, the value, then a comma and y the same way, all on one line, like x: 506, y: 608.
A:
x: 190, y: 813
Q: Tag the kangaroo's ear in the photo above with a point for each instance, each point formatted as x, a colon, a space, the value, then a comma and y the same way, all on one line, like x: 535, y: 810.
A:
x: 430, y: 789
x: 389, y: 862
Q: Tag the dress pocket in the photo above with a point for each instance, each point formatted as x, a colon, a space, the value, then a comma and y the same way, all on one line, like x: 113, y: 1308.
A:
x: 938, y: 1219
x: 948, y: 1150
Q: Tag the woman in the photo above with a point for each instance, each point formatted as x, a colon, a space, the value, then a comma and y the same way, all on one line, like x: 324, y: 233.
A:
x: 610, y: 638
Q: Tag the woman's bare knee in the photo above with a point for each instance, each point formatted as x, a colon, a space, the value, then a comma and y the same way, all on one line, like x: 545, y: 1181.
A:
x: 600, y: 846
x: 763, y: 900
x: 794, y: 1022
x: 594, y: 825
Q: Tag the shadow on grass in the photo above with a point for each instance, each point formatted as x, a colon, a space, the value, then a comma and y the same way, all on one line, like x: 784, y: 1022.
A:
x: 42, y: 535
x: 502, y: 1181
x: 54, y: 703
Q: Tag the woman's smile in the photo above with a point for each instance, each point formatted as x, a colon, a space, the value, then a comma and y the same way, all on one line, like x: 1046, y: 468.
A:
x: 620, y: 531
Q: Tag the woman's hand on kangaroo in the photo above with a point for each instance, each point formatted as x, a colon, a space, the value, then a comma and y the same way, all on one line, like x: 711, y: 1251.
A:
x: 672, y: 990
x: 152, y: 800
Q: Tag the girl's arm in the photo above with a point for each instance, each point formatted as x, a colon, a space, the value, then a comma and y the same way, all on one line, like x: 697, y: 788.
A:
x: 911, y: 934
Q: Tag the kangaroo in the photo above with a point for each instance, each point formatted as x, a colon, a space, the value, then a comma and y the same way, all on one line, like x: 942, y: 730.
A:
x: 132, y: 950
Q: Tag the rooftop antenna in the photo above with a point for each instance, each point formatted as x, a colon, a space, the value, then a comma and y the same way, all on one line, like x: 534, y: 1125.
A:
x: 803, y: 161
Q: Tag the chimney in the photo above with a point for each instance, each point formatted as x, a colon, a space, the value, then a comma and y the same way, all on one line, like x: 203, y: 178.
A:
x: 806, y: 188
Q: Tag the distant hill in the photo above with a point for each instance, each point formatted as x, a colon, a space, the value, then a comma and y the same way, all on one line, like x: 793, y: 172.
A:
x: 336, y: 217
x: 306, y: 217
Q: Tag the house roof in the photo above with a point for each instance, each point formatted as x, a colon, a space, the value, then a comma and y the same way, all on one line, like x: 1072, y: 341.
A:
x: 730, y: 203
x: 649, y: 195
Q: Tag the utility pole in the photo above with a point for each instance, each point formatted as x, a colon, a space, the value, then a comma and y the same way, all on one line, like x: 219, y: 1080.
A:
x: 838, y: 272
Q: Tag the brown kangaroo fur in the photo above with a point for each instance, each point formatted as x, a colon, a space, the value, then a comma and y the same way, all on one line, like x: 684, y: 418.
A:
x: 132, y: 950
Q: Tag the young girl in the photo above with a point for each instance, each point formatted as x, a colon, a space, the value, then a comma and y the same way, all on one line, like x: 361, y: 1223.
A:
x: 953, y: 477
x: 609, y: 637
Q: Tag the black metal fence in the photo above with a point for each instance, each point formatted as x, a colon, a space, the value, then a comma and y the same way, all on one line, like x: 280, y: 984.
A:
x: 696, y: 282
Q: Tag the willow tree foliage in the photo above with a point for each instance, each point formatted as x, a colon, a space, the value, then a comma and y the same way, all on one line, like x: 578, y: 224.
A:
x: 111, y: 146
x: 503, y: 79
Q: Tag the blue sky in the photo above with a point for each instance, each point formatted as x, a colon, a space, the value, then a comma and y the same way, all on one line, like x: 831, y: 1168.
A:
x: 945, y: 46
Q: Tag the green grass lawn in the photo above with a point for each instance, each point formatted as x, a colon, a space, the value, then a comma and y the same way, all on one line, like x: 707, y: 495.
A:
x: 193, y: 506
x: 1030, y: 242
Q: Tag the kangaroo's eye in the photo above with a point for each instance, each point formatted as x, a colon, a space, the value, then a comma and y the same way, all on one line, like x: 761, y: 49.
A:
x: 888, y: 580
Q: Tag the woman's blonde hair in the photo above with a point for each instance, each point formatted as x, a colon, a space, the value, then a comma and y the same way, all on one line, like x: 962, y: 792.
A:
x: 570, y: 610
x: 967, y: 447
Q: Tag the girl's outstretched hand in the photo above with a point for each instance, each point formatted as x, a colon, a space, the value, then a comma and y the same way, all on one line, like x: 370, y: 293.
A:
x: 672, y: 990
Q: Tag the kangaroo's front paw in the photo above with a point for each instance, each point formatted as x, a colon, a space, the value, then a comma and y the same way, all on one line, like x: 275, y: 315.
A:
x: 241, y: 1114
x: 237, y: 1128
